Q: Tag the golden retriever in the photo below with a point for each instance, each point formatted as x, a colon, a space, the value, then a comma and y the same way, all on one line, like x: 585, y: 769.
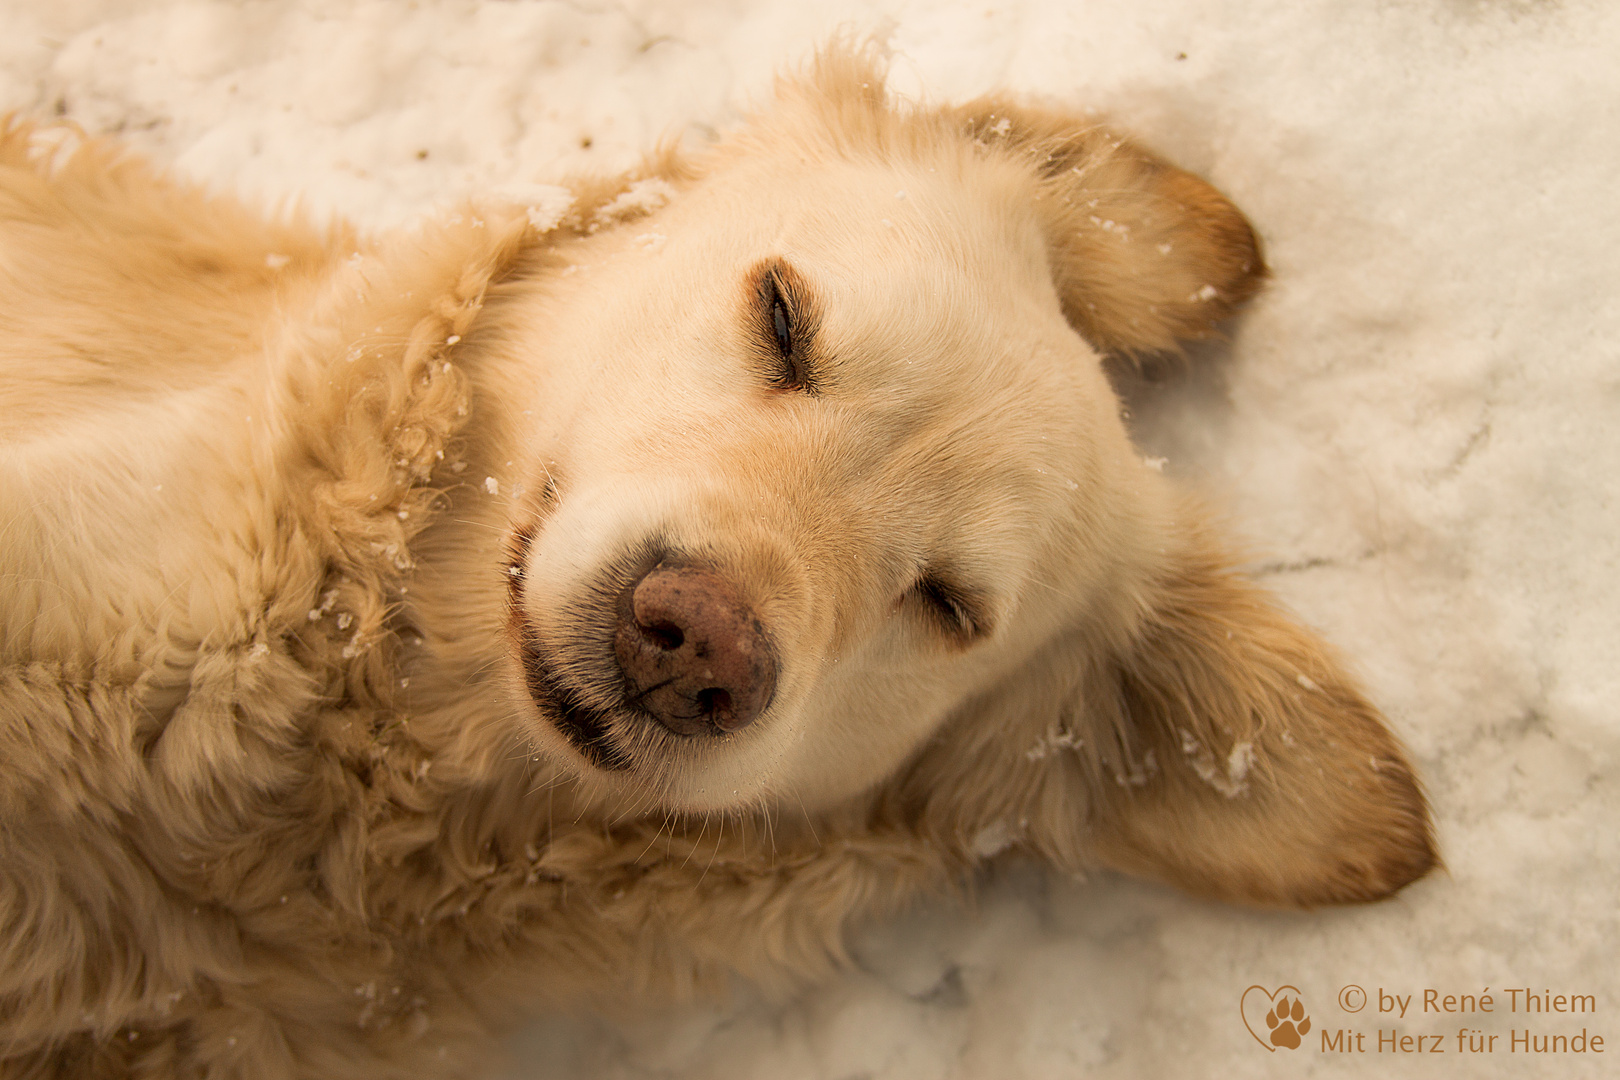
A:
x: 529, y: 608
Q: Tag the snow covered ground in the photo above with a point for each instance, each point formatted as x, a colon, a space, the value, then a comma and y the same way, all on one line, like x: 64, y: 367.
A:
x: 1418, y: 426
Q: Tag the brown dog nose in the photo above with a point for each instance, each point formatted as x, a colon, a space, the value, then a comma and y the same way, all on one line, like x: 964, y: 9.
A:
x: 692, y: 652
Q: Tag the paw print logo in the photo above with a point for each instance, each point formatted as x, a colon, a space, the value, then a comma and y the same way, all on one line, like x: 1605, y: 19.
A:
x: 1284, y: 1020
x: 1287, y: 1023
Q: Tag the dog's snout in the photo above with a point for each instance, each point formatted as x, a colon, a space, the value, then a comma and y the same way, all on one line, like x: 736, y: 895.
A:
x: 693, y: 653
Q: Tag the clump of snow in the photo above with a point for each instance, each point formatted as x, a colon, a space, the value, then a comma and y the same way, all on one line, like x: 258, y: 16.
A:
x: 1238, y: 763
x: 545, y: 204
x: 638, y: 200
x: 1413, y: 425
x: 1229, y: 777
x: 328, y: 601
x: 1055, y: 739
x: 995, y: 838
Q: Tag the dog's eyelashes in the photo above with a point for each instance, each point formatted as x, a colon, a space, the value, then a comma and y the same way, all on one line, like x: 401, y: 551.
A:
x: 785, y: 329
x: 779, y: 323
x: 951, y: 608
x: 789, y: 375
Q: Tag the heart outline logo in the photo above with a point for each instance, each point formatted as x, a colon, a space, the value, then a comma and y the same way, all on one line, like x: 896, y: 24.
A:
x: 1271, y: 1000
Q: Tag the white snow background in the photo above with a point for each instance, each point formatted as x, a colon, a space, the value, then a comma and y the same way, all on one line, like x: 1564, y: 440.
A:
x: 1418, y: 425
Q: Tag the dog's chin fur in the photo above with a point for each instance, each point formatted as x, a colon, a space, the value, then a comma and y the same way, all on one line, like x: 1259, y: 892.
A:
x: 317, y: 762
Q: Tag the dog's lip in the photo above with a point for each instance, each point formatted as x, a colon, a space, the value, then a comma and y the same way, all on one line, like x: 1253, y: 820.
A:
x: 587, y: 729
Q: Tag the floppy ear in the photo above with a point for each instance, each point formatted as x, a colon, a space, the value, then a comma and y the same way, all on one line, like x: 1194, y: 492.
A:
x: 1240, y: 761
x: 1143, y: 254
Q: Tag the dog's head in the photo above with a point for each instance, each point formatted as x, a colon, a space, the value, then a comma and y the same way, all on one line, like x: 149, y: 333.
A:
x: 823, y: 457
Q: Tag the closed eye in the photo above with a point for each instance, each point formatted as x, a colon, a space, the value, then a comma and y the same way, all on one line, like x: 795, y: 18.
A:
x: 954, y: 611
x: 783, y: 315
x: 780, y: 323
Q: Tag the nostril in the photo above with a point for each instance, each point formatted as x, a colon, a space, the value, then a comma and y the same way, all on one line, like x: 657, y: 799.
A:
x: 665, y: 635
x: 714, y: 702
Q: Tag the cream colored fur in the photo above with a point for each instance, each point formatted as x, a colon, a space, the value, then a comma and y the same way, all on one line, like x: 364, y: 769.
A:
x: 280, y: 508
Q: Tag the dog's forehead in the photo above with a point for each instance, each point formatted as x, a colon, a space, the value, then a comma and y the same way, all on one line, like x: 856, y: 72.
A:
x: 948, y: 225
x: 925, y: 271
